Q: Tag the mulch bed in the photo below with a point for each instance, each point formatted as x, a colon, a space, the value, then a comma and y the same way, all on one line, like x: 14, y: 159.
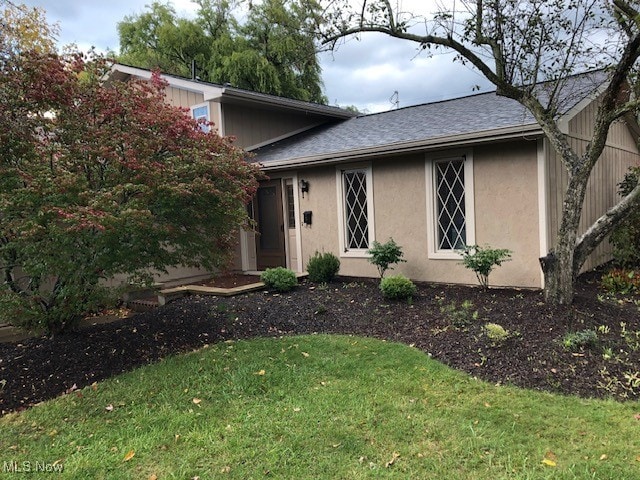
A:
x: 230, y: 280
x: 440, y: 321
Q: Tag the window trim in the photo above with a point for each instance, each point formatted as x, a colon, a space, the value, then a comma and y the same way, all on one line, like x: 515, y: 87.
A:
x: 204, y: 128
x: 432, y: 228
x: 354, y: 252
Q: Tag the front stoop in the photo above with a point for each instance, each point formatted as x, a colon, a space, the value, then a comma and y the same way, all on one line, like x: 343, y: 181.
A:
x: 168, y: 295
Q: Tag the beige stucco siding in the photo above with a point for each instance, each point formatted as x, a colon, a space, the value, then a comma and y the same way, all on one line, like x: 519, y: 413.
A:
x: 253, y: 126
x: 506, y: 215
x: 506, y: 209
x: 602, y: 191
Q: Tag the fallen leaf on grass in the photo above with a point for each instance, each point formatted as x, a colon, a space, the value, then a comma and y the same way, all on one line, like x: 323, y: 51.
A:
x: 394, y: 457
x: 197, y: 401
x: 549, y: 459
x: 261, y: 372
x: 130, y: 454
x: 637, y: 416
x: 109, y: 408
x: 153, y: 476
x: 94, y: 386
x: 305, y: 354
x: 604, y: 456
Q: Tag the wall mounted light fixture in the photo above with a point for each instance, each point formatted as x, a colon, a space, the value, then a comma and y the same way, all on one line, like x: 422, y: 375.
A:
x: 304, y: 187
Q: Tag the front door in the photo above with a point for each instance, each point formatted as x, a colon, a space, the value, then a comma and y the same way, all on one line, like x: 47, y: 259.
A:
x: 270, y: 250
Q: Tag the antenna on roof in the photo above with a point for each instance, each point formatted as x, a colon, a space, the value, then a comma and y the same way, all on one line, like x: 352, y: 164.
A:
x: 395, y: 99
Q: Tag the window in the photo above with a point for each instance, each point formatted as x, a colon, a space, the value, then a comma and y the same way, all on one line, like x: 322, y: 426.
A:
x: 291, y: 208
x: 355, y: 210
x: 450, y: 205
x: 201, y: 112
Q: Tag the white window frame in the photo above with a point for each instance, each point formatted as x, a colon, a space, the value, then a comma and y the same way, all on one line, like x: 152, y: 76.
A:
x: 431, y: 192
x: 354, y: 252
x: 204, y: 128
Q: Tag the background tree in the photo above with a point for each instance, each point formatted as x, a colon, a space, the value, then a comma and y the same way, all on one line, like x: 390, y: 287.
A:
x: 25, y: 28
x: 99, y: 179
x: 516, y: 45
x: 272, y: 52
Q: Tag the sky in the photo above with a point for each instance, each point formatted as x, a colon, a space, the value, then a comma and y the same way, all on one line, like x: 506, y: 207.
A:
x: 364, y: 72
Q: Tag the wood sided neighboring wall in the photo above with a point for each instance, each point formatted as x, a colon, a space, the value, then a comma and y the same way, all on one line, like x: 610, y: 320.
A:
x: 620, y: 153
x: 253, y: 126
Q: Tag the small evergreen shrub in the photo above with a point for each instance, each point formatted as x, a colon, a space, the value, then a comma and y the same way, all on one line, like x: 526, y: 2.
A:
x: 397, y: 287
x: 496, y: 332
x: 383, y: 255
x: 323, y: 267
x: 280, y: 279
x: 482, y: 260
x: 573, y: 341
x: 621, y: 281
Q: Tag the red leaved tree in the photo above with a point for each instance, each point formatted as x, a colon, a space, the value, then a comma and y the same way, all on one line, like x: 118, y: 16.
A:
x: 103, y: 178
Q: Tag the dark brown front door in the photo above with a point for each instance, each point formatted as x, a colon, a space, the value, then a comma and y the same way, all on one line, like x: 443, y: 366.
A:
x: 270, y: 251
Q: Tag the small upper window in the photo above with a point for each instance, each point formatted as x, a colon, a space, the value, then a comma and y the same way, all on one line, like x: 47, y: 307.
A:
x: 201, y: 112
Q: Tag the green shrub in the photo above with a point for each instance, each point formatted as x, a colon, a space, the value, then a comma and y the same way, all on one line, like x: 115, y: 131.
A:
x: 577, y: 340
x: 279, y: 278
x: 625, y: 238
x: 385, y: 254
x: 482, y: 260
x: 621, y: 281
x: 397, y: 287
x: 323, y: 267
x: 496, y: 332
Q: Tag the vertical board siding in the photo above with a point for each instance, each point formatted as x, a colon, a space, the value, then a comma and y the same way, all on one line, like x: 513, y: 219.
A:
x: 620, y: 153
x: 252, y: 126
x: 183, y: 98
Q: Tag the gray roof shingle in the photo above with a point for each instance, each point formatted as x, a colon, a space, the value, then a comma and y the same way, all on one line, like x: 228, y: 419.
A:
x: 467, y: 115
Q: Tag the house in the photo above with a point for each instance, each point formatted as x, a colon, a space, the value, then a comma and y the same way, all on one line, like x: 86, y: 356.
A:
x: 437, y: 176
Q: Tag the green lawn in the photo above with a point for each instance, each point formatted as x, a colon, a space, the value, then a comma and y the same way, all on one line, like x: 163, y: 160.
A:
x: 319, y: 407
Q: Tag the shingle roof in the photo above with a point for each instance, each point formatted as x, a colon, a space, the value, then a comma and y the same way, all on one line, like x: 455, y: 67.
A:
x: 469, y: 115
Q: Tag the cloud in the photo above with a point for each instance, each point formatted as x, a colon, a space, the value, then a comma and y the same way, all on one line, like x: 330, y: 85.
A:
x: 363, y: 72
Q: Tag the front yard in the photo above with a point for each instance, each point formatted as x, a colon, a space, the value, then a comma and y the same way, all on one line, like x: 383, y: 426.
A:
x: 591, y: 348
x: 335, y: 406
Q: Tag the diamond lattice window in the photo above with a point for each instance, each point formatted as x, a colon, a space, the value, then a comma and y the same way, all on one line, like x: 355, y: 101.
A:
x: 356, y: 215
x: 450, y: 203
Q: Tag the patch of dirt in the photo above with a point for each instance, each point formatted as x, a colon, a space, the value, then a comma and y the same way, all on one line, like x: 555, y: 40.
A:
x: 231, y: 280
x: 447, y: 322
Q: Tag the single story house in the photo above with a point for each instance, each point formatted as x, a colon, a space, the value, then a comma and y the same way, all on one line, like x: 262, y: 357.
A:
x: 434, y: 177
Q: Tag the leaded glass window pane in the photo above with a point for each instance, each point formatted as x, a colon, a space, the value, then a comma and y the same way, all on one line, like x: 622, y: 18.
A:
x: 355, y: 208
x: 452, y: 227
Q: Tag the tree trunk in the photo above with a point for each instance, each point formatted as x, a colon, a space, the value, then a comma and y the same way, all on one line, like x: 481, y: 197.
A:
x: 559, y: 268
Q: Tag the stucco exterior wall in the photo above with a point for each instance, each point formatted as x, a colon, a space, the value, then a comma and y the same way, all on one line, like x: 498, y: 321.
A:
x: 506, y: 214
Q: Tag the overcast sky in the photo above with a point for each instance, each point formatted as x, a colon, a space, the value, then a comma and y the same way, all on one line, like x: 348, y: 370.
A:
x: 364, y: 72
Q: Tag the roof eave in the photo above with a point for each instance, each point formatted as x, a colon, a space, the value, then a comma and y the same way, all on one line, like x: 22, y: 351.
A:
x: 449, y: 141
x: 308, y: 107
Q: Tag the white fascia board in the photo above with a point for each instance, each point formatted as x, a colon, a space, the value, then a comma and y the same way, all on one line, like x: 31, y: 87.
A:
x: 210, y: 92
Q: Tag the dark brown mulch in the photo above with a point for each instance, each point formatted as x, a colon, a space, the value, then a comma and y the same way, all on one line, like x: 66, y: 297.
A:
x: 231, y: 280
x: 436, y: 322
